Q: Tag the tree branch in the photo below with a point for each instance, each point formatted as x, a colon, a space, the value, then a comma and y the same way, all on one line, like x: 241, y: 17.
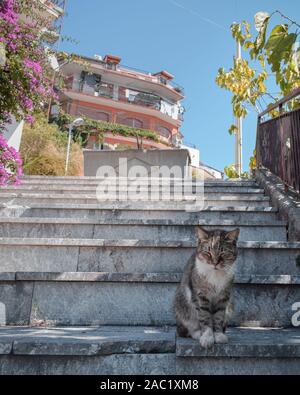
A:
x: 286, y: 17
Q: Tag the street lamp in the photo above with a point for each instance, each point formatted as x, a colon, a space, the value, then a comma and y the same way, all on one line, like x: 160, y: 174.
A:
x: 76, y: 122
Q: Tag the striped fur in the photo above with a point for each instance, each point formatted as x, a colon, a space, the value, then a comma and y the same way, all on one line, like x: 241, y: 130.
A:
x: 203, y: 299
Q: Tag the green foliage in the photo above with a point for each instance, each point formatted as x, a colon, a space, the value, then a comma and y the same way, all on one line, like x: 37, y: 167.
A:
x: 231, y: 172
x: 261, y: 37
x: 275, y: 52
x: 246, y: 85
x: 43, y: 150
x: 24, y: 68
x: 233, y: 129
x: 241, y: 32
x: 91, y: 126
x: 253, y: 162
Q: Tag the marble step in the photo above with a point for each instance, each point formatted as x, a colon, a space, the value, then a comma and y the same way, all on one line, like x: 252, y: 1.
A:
x: 145, y: 210
x: 134, y: 228
x: 220, y: 200
x: 149, y: 350
x: 136, y: 256
x: 42, y: 180
x: 60, y: 299
x: 74, y: 189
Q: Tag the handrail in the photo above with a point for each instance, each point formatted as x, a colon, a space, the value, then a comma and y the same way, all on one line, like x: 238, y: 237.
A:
x: 279, y: 103
x: 278, y: 142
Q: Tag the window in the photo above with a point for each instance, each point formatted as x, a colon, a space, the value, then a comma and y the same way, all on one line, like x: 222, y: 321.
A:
x: 93, y: 113
x: 133, y: 122
x: 102, y: 116
x: 164, y: 132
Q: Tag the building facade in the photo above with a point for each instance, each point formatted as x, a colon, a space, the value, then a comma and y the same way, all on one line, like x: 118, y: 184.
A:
x: 54, y: 11
x: 117, y: 94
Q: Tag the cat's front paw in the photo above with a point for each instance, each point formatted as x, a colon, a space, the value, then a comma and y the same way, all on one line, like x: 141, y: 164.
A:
x: 207, y: 339
x: 221, y: 337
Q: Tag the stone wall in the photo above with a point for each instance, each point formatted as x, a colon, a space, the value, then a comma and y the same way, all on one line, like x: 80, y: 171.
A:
x: 148, y: 159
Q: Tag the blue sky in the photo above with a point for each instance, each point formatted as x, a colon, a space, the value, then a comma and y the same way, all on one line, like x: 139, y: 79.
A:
x: 189, y: 38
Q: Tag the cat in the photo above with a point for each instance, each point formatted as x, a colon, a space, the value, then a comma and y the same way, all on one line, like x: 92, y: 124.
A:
x: 203, y: 299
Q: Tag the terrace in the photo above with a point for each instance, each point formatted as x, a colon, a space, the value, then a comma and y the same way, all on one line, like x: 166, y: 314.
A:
x: 163, y: 80
x: 93, y: 85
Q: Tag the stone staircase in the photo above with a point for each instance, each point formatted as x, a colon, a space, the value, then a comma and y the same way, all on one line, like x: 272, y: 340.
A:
x: 86, y: 287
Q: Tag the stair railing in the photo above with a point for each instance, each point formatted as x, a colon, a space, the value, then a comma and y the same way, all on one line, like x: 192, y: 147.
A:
x: 278, y: 140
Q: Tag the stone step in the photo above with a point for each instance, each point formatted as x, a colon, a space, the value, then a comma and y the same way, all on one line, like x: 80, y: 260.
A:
x: 132, y: 210
x: 249, y: 351
x: 219, y: 200
x: 132, y: 350
x: 49, y: 188
x: 142, y: 183
x: 138, y: 256
x: 158, y: 229
x: 88, y: 341
x: 135, y: 196
x: 59, y: 299
x: 42, y: 180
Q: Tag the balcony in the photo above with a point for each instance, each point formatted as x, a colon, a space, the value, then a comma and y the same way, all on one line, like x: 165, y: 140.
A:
x: 50, y: 35
x: 139, y: 98
x: 91, y: 84
x: 54, y: 8
x: 138, y: 79
x: 142, y: 74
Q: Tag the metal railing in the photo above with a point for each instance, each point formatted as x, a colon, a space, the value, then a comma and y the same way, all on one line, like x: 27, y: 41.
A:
x: 147, y: 75
x: 140, y: 74
x: 140, y: 99
x: 278, y: 142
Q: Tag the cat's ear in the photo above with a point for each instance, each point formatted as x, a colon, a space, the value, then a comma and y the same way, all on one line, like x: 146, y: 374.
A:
x: 233, y: 234
x: 201, y: 233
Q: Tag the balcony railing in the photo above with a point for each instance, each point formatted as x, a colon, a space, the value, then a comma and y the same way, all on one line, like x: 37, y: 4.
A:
x: 278, y: 142
x: 139, y: 74
x: 143, y: 99
x: 152, y: 78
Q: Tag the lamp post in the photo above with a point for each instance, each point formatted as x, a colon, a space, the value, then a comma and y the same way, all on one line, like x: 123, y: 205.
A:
x: 239, y: 126
x: 239, y: 131
x: 77, y: 122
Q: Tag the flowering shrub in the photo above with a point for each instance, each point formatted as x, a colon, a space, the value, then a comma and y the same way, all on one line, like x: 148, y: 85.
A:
x: 10, y: 164
x: 24, y: 85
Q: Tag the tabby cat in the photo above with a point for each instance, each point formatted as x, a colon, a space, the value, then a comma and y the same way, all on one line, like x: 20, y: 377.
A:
x: 202, y: 301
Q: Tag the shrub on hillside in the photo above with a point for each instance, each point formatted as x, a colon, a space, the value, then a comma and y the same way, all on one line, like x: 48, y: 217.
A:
x: 43, y: 150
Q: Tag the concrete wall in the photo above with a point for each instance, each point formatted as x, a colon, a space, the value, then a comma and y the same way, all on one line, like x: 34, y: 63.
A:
x: 148, y: 159
x: 14, y: 133
x: 194, y: 154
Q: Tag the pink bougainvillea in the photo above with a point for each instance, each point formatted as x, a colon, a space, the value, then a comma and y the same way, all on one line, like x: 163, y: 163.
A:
x: 24, y: 83
x: 10, y: 164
